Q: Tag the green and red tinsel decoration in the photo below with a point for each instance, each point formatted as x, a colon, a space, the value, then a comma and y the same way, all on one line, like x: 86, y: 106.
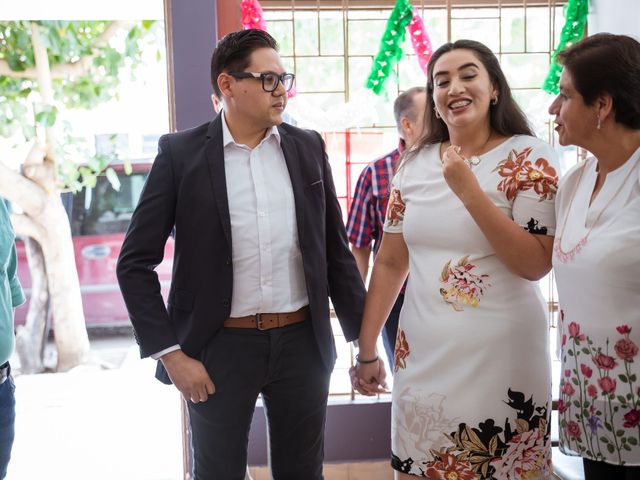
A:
x: 390, y: 51
x: 575, y: 20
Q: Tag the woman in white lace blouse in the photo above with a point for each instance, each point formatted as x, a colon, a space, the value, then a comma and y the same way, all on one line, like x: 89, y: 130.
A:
x: 597, y: 256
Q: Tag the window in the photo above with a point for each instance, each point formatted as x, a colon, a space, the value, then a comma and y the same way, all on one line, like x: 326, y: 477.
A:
x: 330, y: 46
x: 101, y: 210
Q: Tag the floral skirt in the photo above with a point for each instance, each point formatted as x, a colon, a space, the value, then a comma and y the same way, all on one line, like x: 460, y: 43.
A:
x: 428, y: 444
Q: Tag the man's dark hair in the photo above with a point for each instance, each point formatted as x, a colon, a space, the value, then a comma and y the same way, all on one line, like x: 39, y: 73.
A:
x: 234, y: 50
x: 610, y: 64
x: 404, y: 105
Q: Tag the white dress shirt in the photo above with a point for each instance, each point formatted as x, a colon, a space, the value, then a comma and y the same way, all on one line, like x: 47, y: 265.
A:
x: 268, y: 276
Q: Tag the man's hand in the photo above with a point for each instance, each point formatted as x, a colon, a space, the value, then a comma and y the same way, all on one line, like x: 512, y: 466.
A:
x: 369, y: 379
x: 189, y: 376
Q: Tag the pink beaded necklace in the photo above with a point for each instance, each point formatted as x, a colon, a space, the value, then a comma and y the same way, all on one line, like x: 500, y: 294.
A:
x: 567, y: 256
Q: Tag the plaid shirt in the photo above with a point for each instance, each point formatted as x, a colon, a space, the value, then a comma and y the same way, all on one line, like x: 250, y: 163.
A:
x: 369, y: 206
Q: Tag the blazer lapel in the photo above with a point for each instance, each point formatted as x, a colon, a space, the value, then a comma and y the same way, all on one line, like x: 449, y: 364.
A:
x: 292, y: 158
x: 215, y: 161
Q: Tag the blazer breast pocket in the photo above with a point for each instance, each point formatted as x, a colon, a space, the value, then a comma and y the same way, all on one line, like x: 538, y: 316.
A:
x: 316, y: 186
x: 315, y: 200
x: 315, y: 191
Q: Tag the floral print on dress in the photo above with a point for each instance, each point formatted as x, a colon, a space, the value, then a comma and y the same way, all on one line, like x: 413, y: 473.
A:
x: 515, y: 451
x: 521, y: 174
x: 533, y: 226
x: 401, y: 351
x: 461, y: 286
x: 448, y: 467
x: 599, y: 403
x: 395, y: 210
x: 421, y: 419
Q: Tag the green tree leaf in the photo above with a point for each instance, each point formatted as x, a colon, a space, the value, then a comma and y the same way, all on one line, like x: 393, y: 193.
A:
x: 128, y: 169
x: 112, y: 176
x: 47, y: 116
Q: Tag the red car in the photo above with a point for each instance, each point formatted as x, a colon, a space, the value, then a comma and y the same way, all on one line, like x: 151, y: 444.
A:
x: 99, y: 219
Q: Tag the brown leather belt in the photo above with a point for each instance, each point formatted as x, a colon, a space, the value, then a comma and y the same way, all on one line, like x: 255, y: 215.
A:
x: 267, y: 321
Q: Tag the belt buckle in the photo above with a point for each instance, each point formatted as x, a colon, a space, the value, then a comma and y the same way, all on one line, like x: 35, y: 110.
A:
x: 259, y: 324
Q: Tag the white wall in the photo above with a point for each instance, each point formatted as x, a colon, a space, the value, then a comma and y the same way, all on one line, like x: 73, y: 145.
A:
x: 615, y: 16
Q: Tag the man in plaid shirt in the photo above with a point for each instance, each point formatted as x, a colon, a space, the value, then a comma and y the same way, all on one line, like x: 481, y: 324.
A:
x: 369, y: 207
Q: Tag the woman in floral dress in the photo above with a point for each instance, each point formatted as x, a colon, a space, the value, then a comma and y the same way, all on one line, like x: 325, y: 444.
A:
x: 472, y: 217
x: 597, y: 256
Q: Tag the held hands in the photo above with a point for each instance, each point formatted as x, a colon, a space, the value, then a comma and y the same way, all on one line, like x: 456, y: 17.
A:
x: 457, y: 172
x: 369, y: 378
x: 189, y: 376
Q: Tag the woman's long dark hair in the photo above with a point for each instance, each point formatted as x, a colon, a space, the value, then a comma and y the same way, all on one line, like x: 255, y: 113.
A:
x: 506, y: 118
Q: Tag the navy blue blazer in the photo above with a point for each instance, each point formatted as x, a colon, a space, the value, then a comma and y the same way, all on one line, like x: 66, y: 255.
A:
x: 186, y: 188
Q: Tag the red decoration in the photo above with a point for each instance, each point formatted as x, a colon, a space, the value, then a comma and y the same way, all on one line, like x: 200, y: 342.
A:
x: 252, y: 15
x: 421, y: 41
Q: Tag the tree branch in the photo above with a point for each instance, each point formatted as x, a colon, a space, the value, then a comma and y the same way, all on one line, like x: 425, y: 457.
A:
x: 40, y: 167
x: 45, y: 84
x: 26, y: 227
x: 74, y: 69
x: 21, y: 191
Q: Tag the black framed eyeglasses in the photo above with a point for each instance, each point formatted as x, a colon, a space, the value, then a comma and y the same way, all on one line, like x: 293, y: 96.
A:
x: 270, y: 80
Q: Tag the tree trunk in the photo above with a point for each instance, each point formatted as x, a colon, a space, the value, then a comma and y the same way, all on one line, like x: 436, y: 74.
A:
x: 30, y: 338
x: 69, y: 325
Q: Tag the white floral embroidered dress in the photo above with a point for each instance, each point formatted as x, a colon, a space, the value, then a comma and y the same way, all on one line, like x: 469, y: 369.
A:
x: 472, y: 384
x: 599, y: 295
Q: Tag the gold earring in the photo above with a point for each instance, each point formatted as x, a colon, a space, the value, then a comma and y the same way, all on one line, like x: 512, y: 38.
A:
x: 599, y: 123
x: 437, y: 113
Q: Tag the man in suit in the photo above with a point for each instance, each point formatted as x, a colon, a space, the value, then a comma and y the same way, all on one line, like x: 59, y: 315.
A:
x: 260, y: 245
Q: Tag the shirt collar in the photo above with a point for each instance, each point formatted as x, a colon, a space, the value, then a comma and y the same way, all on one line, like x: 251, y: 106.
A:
x: 227, y: 138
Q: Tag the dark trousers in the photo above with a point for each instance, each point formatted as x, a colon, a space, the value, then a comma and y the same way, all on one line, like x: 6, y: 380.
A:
x: 284, y: 365
x: 7, y: 422
x: 390, y: 330
x: 605, y: 471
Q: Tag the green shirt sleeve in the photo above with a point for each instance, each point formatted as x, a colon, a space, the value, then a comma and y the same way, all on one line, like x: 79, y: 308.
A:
x: 17, y: 297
